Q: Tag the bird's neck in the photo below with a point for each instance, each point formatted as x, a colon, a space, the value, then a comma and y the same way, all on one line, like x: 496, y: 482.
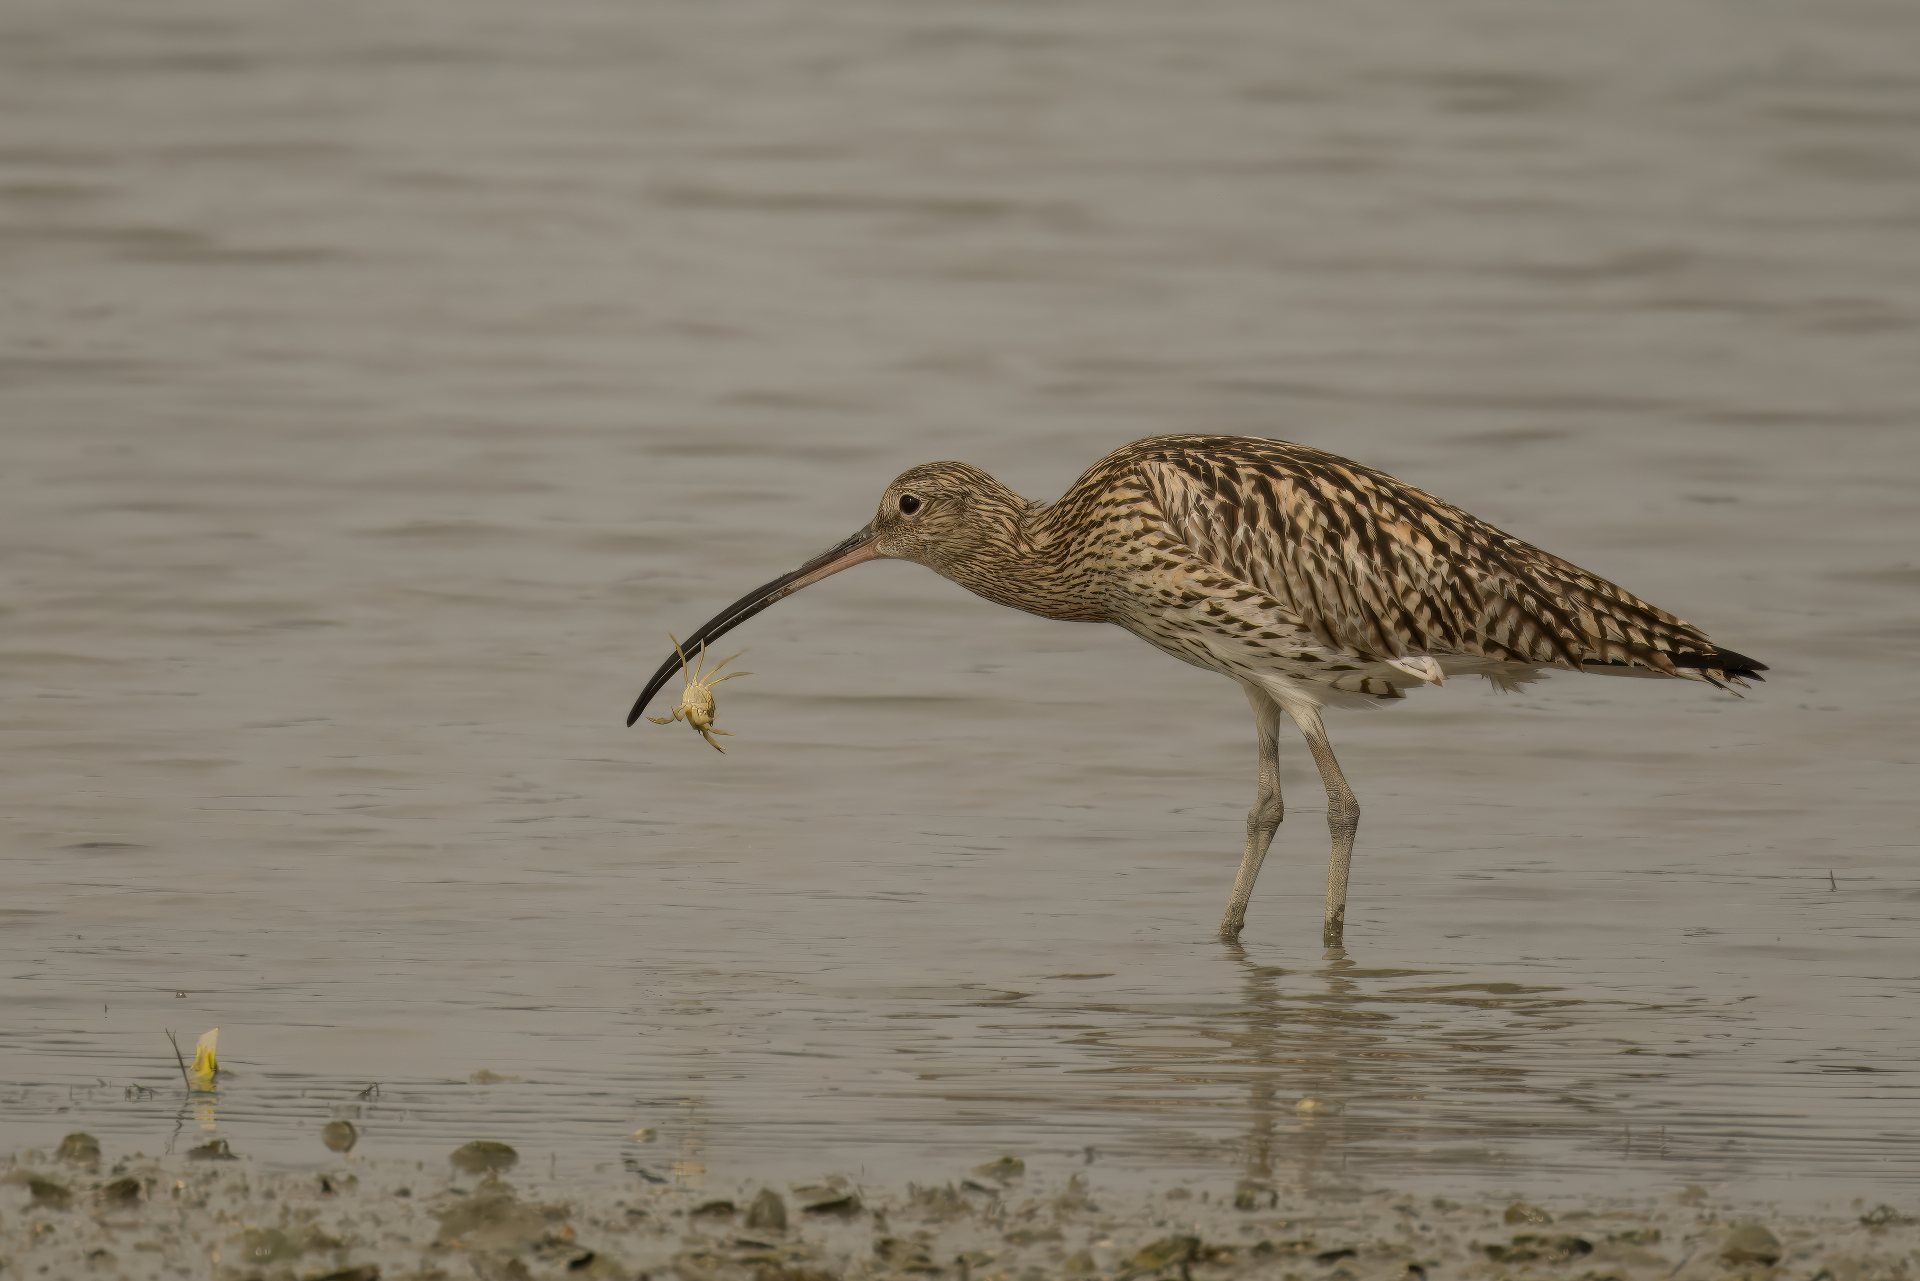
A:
x: 1029, y: 563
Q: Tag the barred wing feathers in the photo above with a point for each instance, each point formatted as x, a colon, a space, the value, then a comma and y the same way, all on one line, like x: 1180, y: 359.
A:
x: 1387, y: 572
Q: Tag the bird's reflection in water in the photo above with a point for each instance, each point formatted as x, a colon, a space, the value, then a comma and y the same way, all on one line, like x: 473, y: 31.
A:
x: 1313, y: 1036
x: 1342, y: 1074
x: 689, y: 1168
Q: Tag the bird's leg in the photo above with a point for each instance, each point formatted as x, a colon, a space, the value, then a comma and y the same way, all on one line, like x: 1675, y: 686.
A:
x: 1343, y: 820
x: 1264, y: 818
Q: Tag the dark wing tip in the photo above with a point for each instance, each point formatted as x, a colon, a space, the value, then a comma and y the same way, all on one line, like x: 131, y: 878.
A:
x: 1724, y: 661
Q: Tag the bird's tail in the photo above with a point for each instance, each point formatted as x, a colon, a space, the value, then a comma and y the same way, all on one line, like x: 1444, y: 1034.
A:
x: 1598, y: 626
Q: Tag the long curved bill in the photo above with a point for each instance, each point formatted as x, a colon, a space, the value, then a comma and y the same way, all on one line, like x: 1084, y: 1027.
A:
x: 862, y: 546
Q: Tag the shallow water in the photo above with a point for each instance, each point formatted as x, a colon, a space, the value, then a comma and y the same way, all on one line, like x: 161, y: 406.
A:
x: 379, y: 384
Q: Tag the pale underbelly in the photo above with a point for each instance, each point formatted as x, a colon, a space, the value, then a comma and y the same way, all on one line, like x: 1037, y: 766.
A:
x: 1293, y: 665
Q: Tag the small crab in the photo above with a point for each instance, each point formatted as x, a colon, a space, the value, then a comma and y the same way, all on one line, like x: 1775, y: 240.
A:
x: 696, y: 706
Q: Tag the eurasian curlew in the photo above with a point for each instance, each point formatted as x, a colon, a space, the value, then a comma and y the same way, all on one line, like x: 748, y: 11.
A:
x: 1309, y: 579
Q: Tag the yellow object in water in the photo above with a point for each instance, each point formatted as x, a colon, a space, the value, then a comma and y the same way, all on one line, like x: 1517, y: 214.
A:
x: 205, y: 1066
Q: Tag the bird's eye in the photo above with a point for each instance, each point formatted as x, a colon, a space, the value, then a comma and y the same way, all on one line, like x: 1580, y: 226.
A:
x: 909, y: 504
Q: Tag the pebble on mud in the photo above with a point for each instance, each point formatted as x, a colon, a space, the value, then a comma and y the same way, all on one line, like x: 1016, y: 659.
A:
x: 842, y: 1205
x: 79, y: 1149
x: 1524, y: 1212
x: 768, y: 1213
x: 43, y: 1191
x: 124, y: 1191
x: 1750, y: 1243
x: 483, y: 1156
x: 1004, y: 1170
x: 339, y: 1136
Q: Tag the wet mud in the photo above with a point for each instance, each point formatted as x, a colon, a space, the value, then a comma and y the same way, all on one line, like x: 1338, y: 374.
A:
x: 417, y: 1221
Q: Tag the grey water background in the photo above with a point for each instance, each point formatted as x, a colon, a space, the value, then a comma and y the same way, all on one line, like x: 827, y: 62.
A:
x: 379, y: 384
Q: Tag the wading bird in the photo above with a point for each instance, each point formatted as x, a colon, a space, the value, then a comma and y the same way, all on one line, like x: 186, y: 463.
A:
x: 1311, y: 580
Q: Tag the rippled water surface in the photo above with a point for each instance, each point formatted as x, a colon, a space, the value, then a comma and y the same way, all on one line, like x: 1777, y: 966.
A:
x: 379, y: 383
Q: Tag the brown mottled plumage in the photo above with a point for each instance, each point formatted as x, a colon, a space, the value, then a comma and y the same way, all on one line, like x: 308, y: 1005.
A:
x: 1308, y: 578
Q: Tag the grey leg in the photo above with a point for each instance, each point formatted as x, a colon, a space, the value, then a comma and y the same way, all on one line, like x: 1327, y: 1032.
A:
x: 1264, y: 818
x: 1343, y: 820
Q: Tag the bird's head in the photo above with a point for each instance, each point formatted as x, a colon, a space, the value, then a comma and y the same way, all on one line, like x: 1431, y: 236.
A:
x: 945, y: 515
x: 954, y: 519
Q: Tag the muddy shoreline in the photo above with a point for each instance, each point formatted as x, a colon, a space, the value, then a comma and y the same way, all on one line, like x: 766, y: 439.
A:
x: 483, y: 1214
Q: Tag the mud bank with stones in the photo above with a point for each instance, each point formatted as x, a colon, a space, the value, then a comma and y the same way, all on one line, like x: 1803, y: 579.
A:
x: 72, y: 1213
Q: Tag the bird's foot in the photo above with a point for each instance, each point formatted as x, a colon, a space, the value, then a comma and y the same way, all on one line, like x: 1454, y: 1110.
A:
x: 1332, y: 934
